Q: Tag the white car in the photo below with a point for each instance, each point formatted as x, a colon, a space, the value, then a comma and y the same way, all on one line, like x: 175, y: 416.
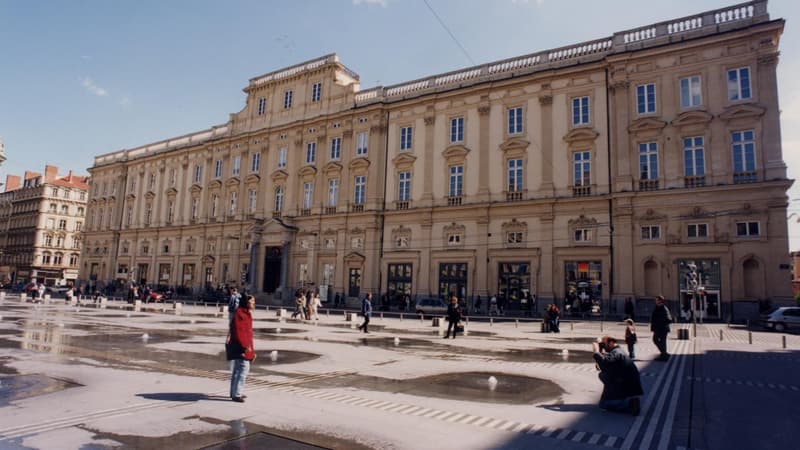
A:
x: 431, y: 306
x: 61, y: 290
x: 782, y: 319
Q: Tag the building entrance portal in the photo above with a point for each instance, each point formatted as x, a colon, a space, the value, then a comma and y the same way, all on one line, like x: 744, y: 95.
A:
x: 453, y: 280
x: 272, y: 269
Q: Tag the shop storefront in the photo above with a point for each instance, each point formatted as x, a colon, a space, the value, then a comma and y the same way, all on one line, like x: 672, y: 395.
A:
x: 707, y: 299
x: 513, y: 281
x: 453, y: 280
x: 583, y: 286
x: 399, y: 280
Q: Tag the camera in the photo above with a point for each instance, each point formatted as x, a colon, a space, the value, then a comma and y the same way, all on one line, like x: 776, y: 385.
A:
x: 601, y: 346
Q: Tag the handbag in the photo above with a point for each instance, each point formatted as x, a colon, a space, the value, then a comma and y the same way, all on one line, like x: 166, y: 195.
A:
x: 232, y: 351
x: 459, y: 328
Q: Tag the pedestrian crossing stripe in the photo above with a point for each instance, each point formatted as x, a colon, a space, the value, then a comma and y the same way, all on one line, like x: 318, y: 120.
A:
x: 748, y: 383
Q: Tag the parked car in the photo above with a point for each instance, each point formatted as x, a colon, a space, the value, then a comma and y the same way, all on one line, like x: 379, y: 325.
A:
x: 782, y: 319
x: 431, y: 306
x: 60, y: 290
x: 155, y: 297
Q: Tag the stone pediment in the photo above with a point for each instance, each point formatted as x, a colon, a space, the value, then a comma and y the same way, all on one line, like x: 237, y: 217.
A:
x: 232, y: 181
x: 582, y: 221
x: 402, y: 229
x: 581, y: 134
x: 454, y: 228
x: 354, y: 257
x: 208, y: 259
x: 698, y: 212
x: 646, y: 124
x: 307, y: 170
x: 455, y: 151
x: 515, y: 225
x: 252, y: 178
x: 513, y: 144
x: 359, y: 163
x: 651, y: 216
x: 692, y: 118
x: 279, y: 175
x: 332, y: 167
x: 195, y: 189
x: 404, y: 159
x: 276, y: 225
x: 215, y: 184
x: 746, y: 111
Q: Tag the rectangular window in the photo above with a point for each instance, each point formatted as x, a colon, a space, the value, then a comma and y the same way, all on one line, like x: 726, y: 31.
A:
x: 583, y: 235
x: 404, y: 186
x: 651, y: 232
x: 170, y: 211
x: 336, y: 148
x: 287, y: 99
x: 514, y: 120
x: 514, y: 237
x: 279, y: 199
x: 148, y: 214
x: 333, y: 191
x: 218, y: 168
x: 311, y: 152
x: 262, y: 106
x: 233, y: 199
x: 316, y: 92
x: 195, y: 208
x: 237, y: 164
x: 406, y: 138
x: 739, y: 84
x: 456, y: 181
x: 361, y: 144
x: 282, y: 157
x: 515, y: 175
x: 456, y: 129
x: 354, y: 282
x: 252, y: 198
x: 648, y: 161
x: 693, y: 160
x: 360, y: 190
x: 198, y: 173
x: 214, y: 205
x: 255, y: 162
x: 308, y: 195
x: 691, y: 92
x: 744, y: 151
x: 580, y: 111
x: 129, y: 219
x: 646, y: 98
x: 133, y: 185
x: 172, y: 176
x: 151, y: 184
x: 697, y: 230
x: 746, y: 229
x: 582, y: 165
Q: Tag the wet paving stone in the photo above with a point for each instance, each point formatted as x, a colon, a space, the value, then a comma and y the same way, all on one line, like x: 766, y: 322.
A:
x: 278, y: 330
x: 18, y: 387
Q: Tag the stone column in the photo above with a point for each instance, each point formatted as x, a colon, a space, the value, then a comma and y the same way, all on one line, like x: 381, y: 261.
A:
x: 427, y: 183
x: 620, y: 150
x: 483, y: 152
x: 481, y: 281
x: 546, y: 102
x: 767, y: 89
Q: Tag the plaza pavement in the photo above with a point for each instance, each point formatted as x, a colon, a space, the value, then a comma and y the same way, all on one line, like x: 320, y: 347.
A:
x: 115, y: 378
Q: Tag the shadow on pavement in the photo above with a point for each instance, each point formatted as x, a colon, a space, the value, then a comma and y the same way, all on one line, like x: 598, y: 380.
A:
x: 579, y: 407
x: 182, y: 397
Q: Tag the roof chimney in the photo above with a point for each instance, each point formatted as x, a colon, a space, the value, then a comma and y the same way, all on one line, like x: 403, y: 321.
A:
x: 50, y: 173
x: 12, y: 182
x: 29, y: 174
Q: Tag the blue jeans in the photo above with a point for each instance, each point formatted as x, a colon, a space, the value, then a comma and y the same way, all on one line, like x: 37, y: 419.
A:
x: 241, y: 367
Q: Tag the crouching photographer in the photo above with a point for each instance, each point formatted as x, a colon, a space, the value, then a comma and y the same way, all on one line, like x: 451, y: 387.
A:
x: 622, y: 386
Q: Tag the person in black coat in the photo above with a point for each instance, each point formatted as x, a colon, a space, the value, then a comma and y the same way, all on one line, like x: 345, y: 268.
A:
x: 622, y: 385
x: 453, y: 316
x: 659, y: 325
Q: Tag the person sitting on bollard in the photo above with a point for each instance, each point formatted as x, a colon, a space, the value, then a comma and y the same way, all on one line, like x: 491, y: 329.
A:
x: 622, y: 385
x: 453, y: 316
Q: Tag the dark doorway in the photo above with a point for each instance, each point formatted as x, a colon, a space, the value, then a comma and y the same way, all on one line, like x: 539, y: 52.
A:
x: 272, y: 269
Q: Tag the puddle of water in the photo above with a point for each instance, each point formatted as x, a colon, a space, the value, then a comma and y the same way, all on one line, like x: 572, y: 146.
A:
x: 544, y: 355
x: 17, y: 387
x: 278, y: 330
x: 468, y: 386
x: 283, y: 357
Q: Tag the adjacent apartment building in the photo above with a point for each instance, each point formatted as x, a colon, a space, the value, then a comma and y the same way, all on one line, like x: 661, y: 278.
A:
x: 596, y: 170
x: 41, y: 225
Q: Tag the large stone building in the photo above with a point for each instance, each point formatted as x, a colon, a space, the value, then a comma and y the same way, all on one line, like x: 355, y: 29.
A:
x: 596, y: 170
x: 41, y: 221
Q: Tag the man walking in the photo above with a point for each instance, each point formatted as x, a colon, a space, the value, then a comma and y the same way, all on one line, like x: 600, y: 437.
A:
x: 622, y: 385
x: 659, y: 325
x: 240, y: 347
x: 366, y: 311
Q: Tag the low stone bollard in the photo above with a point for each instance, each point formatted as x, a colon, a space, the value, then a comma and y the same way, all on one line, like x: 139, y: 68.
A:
x: 683, y: 334
x: 103, y: 302
x: 437, y: 322
x: 351, y: 317
x: 545, y: 327
x: 23, y: 297
x: 178, y: 307
x: 222, y: 308
x: 47, y: 298
x: 137, y: 305
x: 280, y: 313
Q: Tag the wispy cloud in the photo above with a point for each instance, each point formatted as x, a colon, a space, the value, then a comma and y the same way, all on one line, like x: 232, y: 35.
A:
x: 383, y: 3
x: 93, y: 88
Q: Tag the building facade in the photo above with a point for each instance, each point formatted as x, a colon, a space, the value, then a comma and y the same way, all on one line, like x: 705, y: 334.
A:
x: 597, y: 170
x: 41, y: 226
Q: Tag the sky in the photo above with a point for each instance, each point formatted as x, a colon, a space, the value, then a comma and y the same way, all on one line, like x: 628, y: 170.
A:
x: 87, y: 77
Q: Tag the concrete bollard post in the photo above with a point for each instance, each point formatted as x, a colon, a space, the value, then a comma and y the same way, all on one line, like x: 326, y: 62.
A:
x: 572, y: 326
x: 516, y: 323
x: 381, y: 316
x: 137, y: 305
x: 401, y: 317
x: 749, y: 337
x: 783, y: 338
x: 2, y: 295
x: 178, y: 307
x: 47, y: 298
x: 491, y: 321
x: 601, y: 326
x: 720, y: 335
x: 103, y: 302
x: 23, y: 297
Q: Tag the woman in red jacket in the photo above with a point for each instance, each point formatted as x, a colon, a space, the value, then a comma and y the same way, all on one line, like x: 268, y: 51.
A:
x: 241, y: 347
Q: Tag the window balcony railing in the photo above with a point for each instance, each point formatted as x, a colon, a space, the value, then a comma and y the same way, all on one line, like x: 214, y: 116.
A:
x: 514, y: 196
x: 694, y: 181
x: 454, y: 200
x: 648, y: 185
x: 305, y: 212
x: 329, y: 210
x: 358, y: 207
x: 402, y: 204
x: 581, y: 191
x: 745, y: 177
